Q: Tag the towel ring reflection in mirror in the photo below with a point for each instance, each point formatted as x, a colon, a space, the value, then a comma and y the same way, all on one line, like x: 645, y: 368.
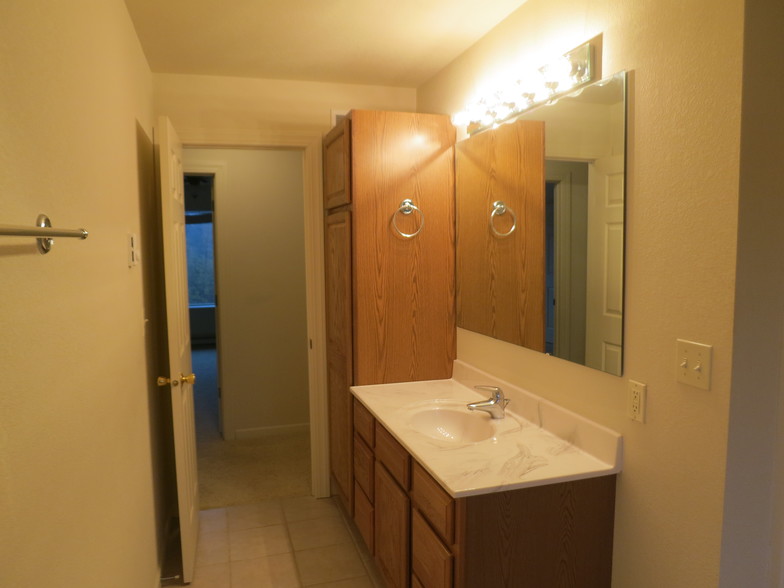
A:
x: 499, y: 209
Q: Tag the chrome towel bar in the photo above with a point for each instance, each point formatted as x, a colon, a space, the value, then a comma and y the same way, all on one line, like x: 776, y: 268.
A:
x: 43, y: 231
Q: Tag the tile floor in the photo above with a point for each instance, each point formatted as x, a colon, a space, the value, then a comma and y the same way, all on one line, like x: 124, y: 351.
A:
x: 282, y: 543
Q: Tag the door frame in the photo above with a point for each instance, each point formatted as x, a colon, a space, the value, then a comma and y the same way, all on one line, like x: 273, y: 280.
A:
x: 309, y: 142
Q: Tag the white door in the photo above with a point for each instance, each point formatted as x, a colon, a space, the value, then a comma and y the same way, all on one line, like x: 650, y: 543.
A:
x: 604, y: 292
x: 180, y: 378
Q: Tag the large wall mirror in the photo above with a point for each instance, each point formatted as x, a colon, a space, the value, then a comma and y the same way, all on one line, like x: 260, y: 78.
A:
x: 540, y: 228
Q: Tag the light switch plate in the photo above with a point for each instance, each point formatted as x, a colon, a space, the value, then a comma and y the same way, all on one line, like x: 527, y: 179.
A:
x: 694, y: 363
x: 133, y: 249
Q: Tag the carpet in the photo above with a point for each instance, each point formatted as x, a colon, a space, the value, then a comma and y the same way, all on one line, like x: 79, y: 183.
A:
x: 248, y: 470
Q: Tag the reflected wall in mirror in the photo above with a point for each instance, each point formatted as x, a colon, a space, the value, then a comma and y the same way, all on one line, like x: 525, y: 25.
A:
x: 540, y: 228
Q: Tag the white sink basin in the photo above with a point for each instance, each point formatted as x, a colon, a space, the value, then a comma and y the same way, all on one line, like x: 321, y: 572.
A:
x: 451, y: 423
x: 448, y: 424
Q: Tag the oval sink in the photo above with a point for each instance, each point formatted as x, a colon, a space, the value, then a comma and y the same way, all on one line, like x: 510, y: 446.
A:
x: 452, y: 425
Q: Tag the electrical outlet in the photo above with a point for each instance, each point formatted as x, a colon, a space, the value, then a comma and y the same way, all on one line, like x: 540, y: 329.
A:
x: 694, y: 363
x: 635, y: 407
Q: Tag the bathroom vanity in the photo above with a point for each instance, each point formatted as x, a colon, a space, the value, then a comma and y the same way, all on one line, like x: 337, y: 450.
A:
x: 446, y: 497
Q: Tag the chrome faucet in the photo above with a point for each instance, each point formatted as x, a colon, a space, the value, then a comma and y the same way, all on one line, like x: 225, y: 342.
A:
x: 494, y: 405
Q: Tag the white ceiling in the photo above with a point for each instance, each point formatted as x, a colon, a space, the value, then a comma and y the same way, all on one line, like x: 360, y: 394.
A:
x: 378, y: 42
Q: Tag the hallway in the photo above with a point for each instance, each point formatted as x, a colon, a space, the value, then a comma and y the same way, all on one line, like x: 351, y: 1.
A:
x: 244, y: 471
x: 260, y: 526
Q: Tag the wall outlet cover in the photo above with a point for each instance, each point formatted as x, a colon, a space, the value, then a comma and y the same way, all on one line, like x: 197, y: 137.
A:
x: 635, y: 407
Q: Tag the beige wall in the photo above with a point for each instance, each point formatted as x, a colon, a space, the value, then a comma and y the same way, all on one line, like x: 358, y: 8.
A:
x: 210, y: 102
x: 682, y: 186
x: 754, y: 494
x: 78, y: 413
x: 260, y: 259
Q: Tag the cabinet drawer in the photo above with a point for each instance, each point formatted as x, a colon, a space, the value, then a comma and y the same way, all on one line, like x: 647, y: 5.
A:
x: 432, y: 500
x: 394, y: 456
x: 363, y: 516
x: 363, y: 422
x: 431, y: 561
x: 363, y: 466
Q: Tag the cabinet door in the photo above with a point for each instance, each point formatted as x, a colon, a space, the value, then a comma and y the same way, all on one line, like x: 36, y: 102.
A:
x: 392, y: 528
x: 337, y: 254
x: 431, y: 560
x: 363, y: 517
x: 405, y: 328
x: 337, y: 165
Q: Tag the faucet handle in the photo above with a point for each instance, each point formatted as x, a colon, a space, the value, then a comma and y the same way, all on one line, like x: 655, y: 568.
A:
x: 498, y: 393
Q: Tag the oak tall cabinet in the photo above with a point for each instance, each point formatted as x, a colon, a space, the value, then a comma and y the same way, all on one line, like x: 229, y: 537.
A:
x: 390, y: 276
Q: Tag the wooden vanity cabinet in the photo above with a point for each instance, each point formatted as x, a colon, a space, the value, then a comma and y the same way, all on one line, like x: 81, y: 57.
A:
x: 556, y: 535
x: 389, y: 299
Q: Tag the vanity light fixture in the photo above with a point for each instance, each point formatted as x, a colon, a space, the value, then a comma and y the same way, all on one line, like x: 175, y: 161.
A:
x: 546, y: 85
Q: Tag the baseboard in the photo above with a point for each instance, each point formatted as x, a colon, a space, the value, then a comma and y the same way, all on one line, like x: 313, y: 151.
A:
x: 257, y: 432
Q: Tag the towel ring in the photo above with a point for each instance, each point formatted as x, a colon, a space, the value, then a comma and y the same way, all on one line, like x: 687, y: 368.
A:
x: 499, y: 209
x: 407, y: 207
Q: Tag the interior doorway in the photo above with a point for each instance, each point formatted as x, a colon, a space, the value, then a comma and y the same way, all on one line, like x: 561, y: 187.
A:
x: 256, y: 356
x: 566, y: 216
x: 309, y: 144
x: 200, y: 247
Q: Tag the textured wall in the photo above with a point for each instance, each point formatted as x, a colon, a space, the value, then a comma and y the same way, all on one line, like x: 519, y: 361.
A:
x: 76, y: 396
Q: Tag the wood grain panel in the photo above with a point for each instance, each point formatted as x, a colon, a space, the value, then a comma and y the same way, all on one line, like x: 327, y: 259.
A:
x: 337, y: 255
x: 337, y: 165
x: 437, y: 506
x: 363, y: 466
x: 501, y: 281
x: 431, y: 561
x: 363, y: 517
x: 562, y: 536
x: 392, y: 529
x: 364, y: 423
x: 404, y: 288
x: 394, y: 456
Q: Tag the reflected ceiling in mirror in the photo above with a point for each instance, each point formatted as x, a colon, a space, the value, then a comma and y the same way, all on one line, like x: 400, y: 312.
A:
x: 540, y: 228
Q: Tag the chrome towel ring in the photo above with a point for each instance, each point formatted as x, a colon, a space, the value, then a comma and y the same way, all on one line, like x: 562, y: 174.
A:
x: 407, y: 207
x: 499, y: 209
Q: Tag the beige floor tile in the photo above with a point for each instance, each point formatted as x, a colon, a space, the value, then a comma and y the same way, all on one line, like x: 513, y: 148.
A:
x: 258, y: 542
x: 213, y: 519
x: 213, y: 576
x: 329, y: 564
x: 363, y: 582
x: 275, y: 571
x: 330, y: 530
x: 301, y: 508
x: 260, y: 514
x: 213, y: 547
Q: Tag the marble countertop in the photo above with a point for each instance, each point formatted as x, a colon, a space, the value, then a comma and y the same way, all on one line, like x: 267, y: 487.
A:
x: 536, y: 443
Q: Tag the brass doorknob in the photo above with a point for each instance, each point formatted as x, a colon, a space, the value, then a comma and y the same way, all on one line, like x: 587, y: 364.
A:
x: 191, y: 379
